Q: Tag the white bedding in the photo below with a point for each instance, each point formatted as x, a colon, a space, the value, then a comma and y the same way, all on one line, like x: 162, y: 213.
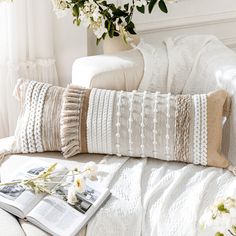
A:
x: 151, y: 197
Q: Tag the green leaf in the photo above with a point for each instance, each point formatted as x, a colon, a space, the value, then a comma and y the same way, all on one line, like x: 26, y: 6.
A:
x: 130, y: 25
x: 111, y: 31
x: 118, y: 13
x: 127, y: 19
x: 98, y: 41
x: 112, y: 7
x: 221, y: 208
x: 108, y: 25
x: 219, y: 234
x: 141, y: 9
x: 104, y: 3
x: 234, y: 228
x: 151, y: 5
x: 130, y: 28
x: 126, y: 6
x: 75, y: 10
x: 80, y: 3
x: 131, y: 31
x: 78, y: 21
x: 104, y: 35
x: 163, y: 6
x: 116, y: 34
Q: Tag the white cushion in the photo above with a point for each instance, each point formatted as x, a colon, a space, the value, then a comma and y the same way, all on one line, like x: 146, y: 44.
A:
x: 9, y: 225
x: 121, y: 71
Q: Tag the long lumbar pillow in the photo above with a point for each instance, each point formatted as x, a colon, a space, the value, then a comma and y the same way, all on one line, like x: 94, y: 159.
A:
x: 138, y: 124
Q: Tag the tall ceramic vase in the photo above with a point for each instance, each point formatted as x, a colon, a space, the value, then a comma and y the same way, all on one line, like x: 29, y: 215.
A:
x: 117, y: 44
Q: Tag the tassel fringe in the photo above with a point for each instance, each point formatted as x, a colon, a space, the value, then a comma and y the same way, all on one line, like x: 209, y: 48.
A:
x: 3, y: 155
x: 17, y: 89
x: 232, y: 169
x: 70, y: 120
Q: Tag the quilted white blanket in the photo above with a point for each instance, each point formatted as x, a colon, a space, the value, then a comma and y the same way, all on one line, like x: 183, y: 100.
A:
x: 151, y: 197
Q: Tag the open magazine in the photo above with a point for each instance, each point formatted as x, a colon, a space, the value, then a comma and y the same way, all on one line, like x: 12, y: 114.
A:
x: 52, y: 213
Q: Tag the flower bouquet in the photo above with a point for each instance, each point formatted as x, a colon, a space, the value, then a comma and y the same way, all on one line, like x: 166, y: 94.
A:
x: 221, y: 217
x: 105, y: 18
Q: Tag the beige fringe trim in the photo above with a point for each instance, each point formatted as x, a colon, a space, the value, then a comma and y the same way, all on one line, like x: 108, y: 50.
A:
x: 71, y: 120
x: 3, y: 155
x: 182, y: 128
x: 232, y: 169
x: 17, y: 92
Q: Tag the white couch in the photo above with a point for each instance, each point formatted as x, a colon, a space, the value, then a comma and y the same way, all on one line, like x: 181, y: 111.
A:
x: 180, y: 190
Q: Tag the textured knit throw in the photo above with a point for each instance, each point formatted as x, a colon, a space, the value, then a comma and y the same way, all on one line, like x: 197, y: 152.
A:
x: 138, y: 124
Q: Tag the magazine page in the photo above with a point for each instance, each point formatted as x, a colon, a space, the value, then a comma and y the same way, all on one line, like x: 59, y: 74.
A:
x: 16, y: 198
x: 56, y: 216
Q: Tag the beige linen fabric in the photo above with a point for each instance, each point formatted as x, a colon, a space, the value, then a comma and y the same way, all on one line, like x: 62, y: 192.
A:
x: 218, y: 105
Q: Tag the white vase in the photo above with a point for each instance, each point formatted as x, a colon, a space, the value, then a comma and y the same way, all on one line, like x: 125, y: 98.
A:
x: 117, y: 44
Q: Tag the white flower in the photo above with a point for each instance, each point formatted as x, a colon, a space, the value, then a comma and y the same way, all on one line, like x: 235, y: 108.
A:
x: 221, y: 216
x: 79, y: 183
x: 140, y: 3
x: 98, y: 27
x: 229, y: 203
x: 59, y: 4
x: 85, y: 19
x: 90, y: 169
x: 96, y: 15
x: 59, y: 7
x: 100, y: 31
x: 71, y: 195
x: 117, y: 24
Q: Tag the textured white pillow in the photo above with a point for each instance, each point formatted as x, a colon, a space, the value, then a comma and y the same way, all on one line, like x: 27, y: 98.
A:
x: 155, y: 67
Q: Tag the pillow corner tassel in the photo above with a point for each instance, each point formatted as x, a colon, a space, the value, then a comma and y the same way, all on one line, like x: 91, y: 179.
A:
x: 232, y: 169
x: 3, y: 155
x: 18, y: 89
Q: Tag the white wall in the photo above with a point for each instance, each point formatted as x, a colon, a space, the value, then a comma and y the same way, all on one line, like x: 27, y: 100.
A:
x: 70, y: 42
x: 191, y: 17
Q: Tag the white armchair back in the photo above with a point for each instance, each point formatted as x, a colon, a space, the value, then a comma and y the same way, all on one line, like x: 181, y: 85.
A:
x: 121, y: 71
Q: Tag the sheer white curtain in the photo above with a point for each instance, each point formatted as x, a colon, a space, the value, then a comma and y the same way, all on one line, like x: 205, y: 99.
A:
x: 26, y: 51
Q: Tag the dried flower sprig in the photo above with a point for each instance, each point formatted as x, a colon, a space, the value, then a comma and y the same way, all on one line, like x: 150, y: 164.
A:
x: 50, y: 177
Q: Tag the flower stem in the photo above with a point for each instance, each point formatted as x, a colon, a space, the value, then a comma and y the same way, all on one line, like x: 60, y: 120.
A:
x: 231, y: 232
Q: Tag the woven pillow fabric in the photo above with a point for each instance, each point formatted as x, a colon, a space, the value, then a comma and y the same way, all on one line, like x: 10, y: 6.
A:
x: 41, y: 120
x: 181, y: 128
x: 72, y: 120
